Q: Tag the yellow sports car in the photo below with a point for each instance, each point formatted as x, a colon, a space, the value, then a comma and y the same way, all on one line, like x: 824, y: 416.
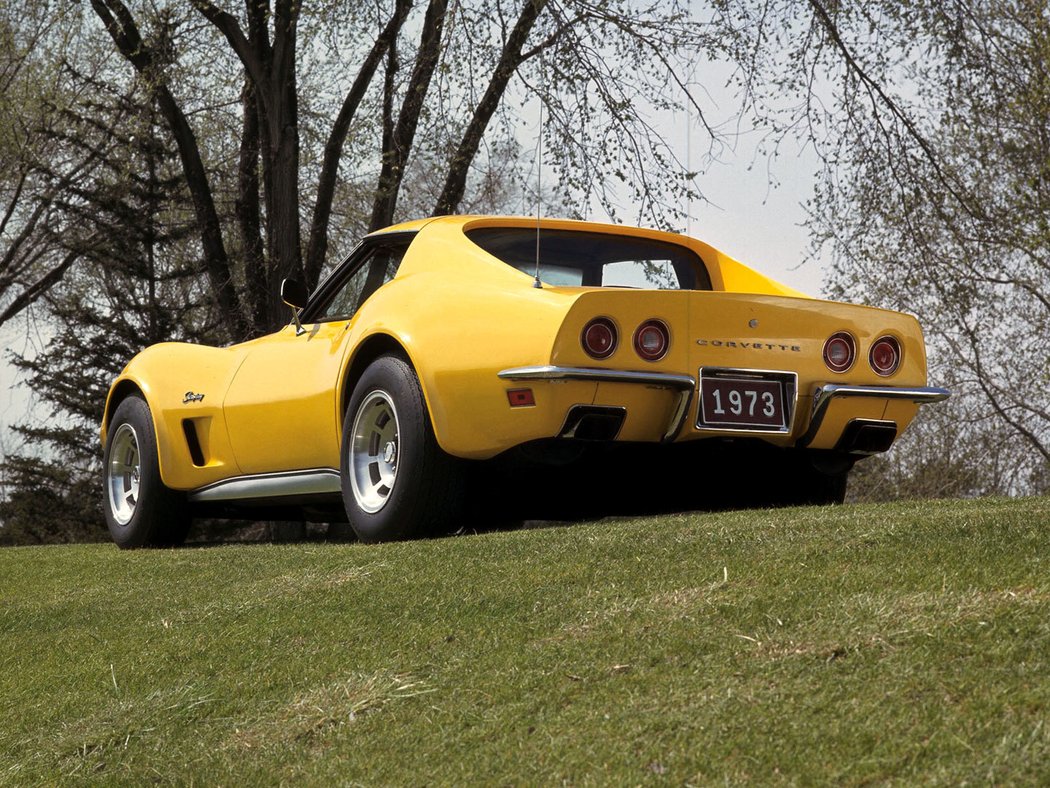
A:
x: 443, y: 344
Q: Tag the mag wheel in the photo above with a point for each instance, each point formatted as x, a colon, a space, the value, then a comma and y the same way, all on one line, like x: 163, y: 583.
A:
x: 397, y: 482
x: 140, y: 510
x: 124, y: 474
x: 375, y: 441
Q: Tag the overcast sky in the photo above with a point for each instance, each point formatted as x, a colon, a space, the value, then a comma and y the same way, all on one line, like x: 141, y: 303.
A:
x: 758, y: 225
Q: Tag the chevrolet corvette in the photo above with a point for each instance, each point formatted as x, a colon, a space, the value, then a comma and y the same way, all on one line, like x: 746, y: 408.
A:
x: 442, y: 345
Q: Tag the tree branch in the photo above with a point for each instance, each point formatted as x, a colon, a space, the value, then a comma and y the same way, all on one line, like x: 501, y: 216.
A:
x: 229, y: 27
x: 13, y: 203
x: 39, y: 287
x: 318, y: 243
x: 875, y: 88
x: 510, y: 58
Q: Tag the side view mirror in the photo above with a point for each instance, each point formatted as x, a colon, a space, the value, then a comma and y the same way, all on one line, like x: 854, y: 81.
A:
x: 293, y: 293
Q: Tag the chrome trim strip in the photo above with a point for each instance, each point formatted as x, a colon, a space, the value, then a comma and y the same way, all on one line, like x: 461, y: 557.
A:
x: 664, y: 379
x: 313, y: 481
x: 683, y: 384
x: 922, y: 396
x: 678, y: 416
x: 824, y: 395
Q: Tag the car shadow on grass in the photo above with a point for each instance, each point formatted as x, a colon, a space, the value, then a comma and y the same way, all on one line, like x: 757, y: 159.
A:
x: 560, y: 484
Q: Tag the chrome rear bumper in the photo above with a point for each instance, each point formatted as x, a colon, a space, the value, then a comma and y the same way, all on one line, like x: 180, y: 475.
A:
x: 825, y: 395
x: 684, y: 385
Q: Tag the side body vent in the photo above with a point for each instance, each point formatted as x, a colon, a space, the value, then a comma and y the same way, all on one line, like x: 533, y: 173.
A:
x: 193, y: 443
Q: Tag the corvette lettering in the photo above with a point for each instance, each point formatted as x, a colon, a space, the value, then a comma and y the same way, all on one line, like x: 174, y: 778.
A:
x: 191, y: 397
x: 745, y: 345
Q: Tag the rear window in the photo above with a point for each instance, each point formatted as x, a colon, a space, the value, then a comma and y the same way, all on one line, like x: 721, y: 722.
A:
x: 579, y: 258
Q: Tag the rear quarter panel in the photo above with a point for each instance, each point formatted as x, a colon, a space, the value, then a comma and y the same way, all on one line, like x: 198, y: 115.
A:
x: 462, y: 318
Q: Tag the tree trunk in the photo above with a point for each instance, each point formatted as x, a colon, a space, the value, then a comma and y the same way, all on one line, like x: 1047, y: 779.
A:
x: 285, y: 252
x: 249, y: 222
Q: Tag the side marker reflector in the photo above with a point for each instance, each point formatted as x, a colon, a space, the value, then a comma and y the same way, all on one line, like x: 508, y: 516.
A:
x: 520, y: 398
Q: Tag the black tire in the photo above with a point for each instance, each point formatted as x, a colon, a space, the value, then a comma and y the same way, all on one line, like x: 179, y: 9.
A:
x: 397, y: 482
x: 140, y: 510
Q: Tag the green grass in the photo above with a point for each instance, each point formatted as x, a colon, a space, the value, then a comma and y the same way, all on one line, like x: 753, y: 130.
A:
x: 903, y: 643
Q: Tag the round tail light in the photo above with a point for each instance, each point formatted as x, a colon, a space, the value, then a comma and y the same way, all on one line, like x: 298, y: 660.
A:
x: 885, y: 356
x: 840, y: 351
x: 651, y: 340
x: 599, y: 338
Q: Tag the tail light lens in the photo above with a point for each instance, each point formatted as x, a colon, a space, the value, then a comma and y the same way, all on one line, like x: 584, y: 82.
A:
x: 651, y: 340
x: 599, y: 338
x: 885, y: 356
x: 840, y: 351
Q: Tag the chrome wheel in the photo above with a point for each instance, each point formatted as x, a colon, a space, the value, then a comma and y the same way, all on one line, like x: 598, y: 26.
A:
x: 373, y: 452
x: 123, y: 474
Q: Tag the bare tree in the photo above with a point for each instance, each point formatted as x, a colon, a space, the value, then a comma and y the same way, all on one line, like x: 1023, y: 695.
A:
x: 933, y: 123
x: 595, y: 54
x: 35, y: 171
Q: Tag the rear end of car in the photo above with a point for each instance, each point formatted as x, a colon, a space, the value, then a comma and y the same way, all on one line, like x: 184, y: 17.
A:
x: 666, y: 349
x: 676, y: 366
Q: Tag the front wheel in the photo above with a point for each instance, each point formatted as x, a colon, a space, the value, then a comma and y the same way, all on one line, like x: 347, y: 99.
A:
x: 140, y: 510
x: 397, y: 482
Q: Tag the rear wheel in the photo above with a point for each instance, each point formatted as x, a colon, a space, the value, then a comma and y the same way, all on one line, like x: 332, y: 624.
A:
x: 140, y: 510
x: 397, y: 482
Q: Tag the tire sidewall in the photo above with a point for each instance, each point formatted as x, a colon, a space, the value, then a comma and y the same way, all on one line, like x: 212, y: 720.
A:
x: 397, y: 518
x: 157, y: 511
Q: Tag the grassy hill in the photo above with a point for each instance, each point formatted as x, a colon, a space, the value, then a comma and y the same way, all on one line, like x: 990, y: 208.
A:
x: 908, y: 642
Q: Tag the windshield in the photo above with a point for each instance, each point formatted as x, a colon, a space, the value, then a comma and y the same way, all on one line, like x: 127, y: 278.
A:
x: 581, y: 258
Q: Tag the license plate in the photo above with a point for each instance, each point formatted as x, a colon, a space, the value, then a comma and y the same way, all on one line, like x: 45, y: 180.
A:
x: 742, y: 403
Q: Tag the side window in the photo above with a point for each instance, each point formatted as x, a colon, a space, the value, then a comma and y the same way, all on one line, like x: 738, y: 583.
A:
x: 374, y: 270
